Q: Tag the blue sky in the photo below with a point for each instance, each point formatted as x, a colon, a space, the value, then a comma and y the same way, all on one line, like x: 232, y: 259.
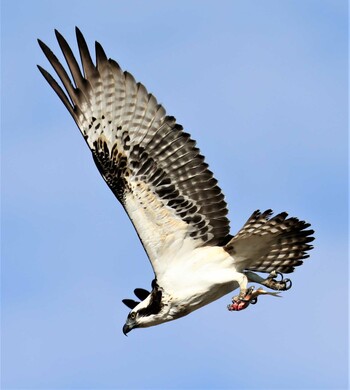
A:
x: 262, y: 85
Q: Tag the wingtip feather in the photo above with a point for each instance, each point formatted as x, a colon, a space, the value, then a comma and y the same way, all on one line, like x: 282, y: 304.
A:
x: 88, y: 65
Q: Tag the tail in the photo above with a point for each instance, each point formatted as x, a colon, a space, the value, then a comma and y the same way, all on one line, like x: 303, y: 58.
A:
x: 267, y: 244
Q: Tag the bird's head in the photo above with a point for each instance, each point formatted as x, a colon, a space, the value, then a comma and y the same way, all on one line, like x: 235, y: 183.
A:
x: 152, y: 309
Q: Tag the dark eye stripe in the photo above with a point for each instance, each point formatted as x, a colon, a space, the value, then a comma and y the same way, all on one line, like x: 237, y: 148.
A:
x: 155, y: 305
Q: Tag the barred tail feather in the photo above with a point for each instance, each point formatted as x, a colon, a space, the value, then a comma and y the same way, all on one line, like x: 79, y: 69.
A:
x: 266, y: 244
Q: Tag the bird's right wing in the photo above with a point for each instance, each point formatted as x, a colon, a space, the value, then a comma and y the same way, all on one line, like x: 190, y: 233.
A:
x: 152, y: 166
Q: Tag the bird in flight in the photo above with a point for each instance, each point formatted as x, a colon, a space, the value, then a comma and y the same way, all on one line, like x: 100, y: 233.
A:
x: 161, y: 179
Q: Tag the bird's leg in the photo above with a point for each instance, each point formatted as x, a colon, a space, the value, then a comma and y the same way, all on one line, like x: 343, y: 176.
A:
x: 249, y: 295
x: 271, y: 281
x: 245, y: 297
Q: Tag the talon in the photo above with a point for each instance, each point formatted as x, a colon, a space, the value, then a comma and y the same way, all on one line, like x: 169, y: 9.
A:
x: 273, y: 275
x: 288, y: 284
x: 280, y: 285
x: 243, y: 300
x: 284, y: 284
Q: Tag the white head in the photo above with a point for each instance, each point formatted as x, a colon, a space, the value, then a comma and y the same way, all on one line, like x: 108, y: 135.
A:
x: 152, y: 310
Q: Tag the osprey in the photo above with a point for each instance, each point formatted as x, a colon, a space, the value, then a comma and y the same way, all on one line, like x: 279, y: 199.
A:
x: 157, y: 173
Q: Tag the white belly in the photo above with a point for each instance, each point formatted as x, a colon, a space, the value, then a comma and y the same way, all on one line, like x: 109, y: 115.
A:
x: 199, y: 277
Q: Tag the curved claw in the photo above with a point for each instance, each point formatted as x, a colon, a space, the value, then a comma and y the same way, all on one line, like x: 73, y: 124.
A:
x: 276, y: 281
x: 285, y: 284
x: 254, y: 301
x: 274, y: 274
x: 288, y: 284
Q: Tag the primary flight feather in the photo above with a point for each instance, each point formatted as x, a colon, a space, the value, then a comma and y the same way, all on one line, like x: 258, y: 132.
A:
x: 157, y: 173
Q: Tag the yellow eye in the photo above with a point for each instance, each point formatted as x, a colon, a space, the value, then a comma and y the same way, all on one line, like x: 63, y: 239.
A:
x: 132, y: 316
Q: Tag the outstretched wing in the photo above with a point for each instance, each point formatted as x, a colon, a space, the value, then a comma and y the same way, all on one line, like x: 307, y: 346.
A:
x: 267, y: 244
x: 152, y: 166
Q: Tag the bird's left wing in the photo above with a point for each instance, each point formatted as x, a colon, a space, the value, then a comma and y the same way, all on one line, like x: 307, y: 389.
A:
x: 152, y: 166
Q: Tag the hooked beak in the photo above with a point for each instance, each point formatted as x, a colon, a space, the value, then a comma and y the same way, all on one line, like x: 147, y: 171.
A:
x: 126, y: 329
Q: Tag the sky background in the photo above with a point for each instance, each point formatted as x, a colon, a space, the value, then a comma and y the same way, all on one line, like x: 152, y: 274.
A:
x: 262, y: 85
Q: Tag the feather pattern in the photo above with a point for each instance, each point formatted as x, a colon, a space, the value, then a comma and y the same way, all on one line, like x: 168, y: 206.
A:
x: 157, y: 172
x: 267, y: 244
x: 152, y: 166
